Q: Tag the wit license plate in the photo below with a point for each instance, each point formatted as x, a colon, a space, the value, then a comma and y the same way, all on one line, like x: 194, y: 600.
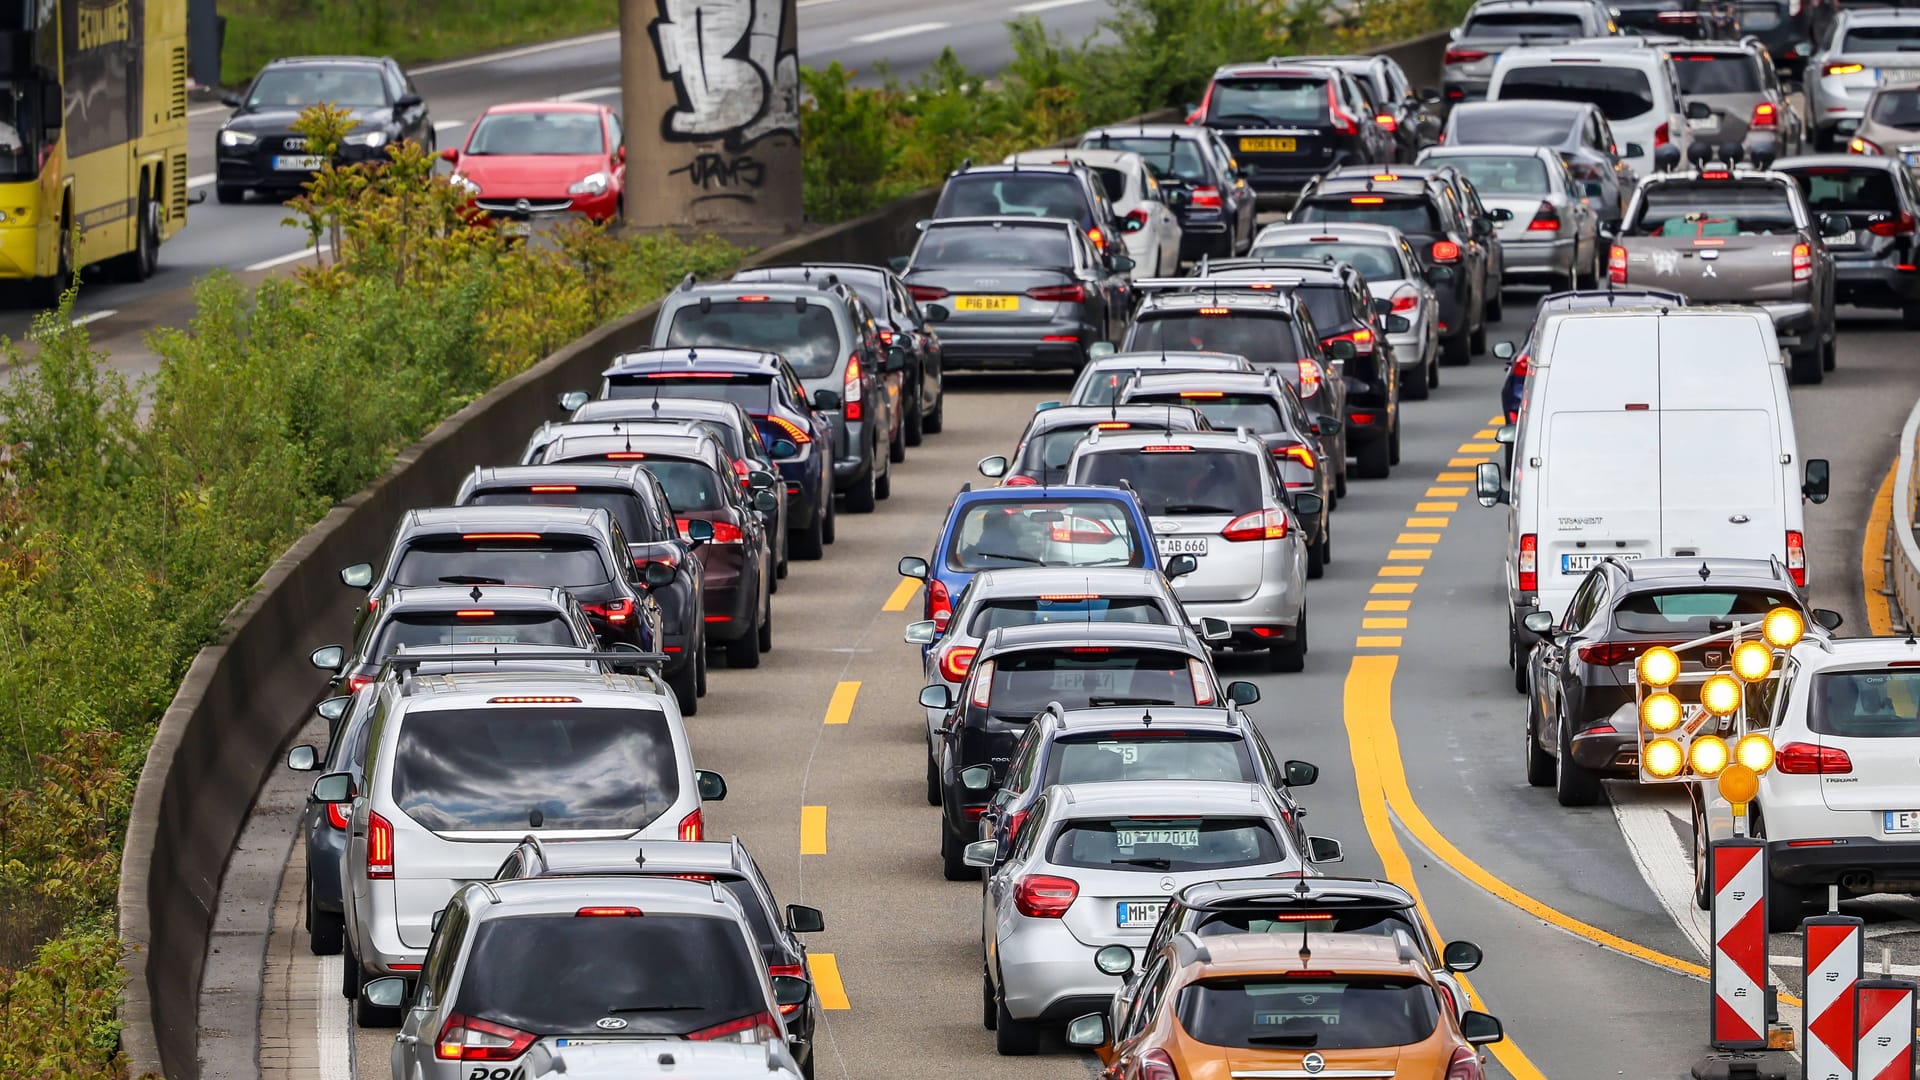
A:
x: 1584, y: 561
x: 1902, y: 821
x: 1136, y: 914
x: 986, y: 303
x: 1898, y: 75
x: 516, y: 227
x: 1845, y: 239
x: 1269, y: 146
x: 297, y: 163
x: 1181, y: 545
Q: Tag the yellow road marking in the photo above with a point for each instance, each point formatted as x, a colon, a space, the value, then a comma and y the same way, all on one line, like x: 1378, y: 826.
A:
x: 1378, y: 641
x: 1411, y: 554
x: 1487, y: 433
x: 840, y: 709
x: 1369, y: 689
x: 903, y: 594
x: 1418, y: 538
x: 1392, y: 588
x: 1428, y: 523
x: 1383, y: 624
x: 1479, y: 448
x: 813, y: 830
x: 1453, y: 476
x: 1402, y: 571
x: 826, y: 981
x: 1498, y: 420
x: 1447, y: 492
x: 1435, y: 507
x: 1873, y: 572
x: 1389, y: 605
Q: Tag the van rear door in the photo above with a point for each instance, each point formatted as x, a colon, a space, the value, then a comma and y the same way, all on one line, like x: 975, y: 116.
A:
x: 1720, y: 440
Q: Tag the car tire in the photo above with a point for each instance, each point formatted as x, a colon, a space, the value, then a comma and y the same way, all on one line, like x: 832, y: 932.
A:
x: 1830, y: 353
x: 1574, y: 784
x: 1564, y: 282
x: 1433, y: 371
x: 832, y: 525
x: 349, y: 974
x: 1805, y: 367
x: 989, y: 1002
x: 744, y: 651
x: 1786, y: 901
x: 1702, y: 862
x: 883, y: 487
x: 1013, y: 1038
x: 865, y: 495
x: 700, y: 658
x: 764, y: 637
x: 897, y: 447
x: 1415, y: 388
x: 229, y: 194
x: 952, y: 855
x: 1375, y: 460
x: 933, y: 779
x: 1910, y: 316
x: 686, y: 687
x: 1393, y: 440
x: 780, y: 567
x: 1456, y: 350
x: 1539, y: 762
x: 1477, y: 340
x: 912, y: 427
x: 1290, y: 657
x: 810, y: 542
x: 937, y: 419
x: 1316, y: 562
x: 1340, y: 486
x: 1496, y: 308
x: 1518, y: 661
x: 326, y: 930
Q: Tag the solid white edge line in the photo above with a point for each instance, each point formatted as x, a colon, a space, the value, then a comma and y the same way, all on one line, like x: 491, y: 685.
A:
x: 442, y: 125
x: 202, y: 180
x: 588, y: 94
x: 1047, y: 5
x: 93, y: 317
x: 282, y: 260
x: 899, y: 32
x: 515, y: 54
x: 333, y: 1027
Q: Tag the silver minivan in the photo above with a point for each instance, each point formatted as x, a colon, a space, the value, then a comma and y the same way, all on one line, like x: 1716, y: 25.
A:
x: 461, y: 767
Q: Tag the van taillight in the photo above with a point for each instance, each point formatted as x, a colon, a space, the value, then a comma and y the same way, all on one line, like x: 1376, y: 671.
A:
x: 693, y: 826
x: 938, y: 600
x: 1662, y: 135
x: 852, y: 401
x: 379, y: 846
x: 1802, y: 262
x: 1529, y: 559
x: 1797, y: 557
x: 1617, y: 265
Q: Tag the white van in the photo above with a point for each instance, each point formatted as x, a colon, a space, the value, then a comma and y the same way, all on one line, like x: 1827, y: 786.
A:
x: 1648, y: 433
x: 1635, y: 86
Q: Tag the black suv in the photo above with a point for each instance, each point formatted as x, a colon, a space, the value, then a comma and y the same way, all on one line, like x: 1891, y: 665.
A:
x: 1204, y: 184
x: 1582, y: 669
x: 1402, y: 112
x: 257, y: 149
x: 1069, y: 191
x: 635, y: 499
x: 1872, y: 262
x: 902, y: 321
x: 831, y: 341
x: 1016, y: 674
x: 1288, y: 123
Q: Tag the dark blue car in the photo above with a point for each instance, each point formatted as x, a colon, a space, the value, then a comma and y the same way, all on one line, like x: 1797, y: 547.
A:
x: 1519, y: 359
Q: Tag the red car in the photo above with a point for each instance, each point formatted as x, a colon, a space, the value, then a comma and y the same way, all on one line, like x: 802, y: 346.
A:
x: 536, y: 158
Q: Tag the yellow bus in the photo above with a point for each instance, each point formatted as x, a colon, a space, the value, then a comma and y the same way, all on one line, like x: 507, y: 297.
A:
x: 93, y: 137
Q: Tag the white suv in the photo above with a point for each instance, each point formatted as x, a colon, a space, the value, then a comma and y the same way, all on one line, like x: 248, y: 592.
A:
x: 1634, y: 85
x: 1840, y: 805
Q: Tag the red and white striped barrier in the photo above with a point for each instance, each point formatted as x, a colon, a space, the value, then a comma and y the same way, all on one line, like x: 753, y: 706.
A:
x: 1739, y: 1019
x: 1830, y: 970
x: 1885, y: 1018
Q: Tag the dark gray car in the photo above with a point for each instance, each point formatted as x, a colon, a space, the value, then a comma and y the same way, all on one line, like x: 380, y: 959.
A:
x: 1577, y: 130
x: 1733, y: 94
x: 1874, y: 259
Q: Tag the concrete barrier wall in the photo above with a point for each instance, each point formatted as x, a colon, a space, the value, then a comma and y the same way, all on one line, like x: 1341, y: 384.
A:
x: 1903, y: 549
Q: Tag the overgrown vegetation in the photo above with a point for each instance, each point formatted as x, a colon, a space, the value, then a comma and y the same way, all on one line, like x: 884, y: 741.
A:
x: 866, y: 146
x: 125, y: 540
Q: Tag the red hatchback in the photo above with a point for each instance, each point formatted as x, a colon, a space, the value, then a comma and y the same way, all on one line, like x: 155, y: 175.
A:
x: 539, y: 158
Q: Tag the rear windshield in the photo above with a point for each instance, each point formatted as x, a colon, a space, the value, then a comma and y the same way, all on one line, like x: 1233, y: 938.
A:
x: 1277, y: 101
x: 1065, y: 608
x: 1033, y: 246
x: 1255, y: 412
x: 1168, y: 156
x: 690, y: 485
x: 1151, y: 755
x: 1112, y: 181
x: 1901, y: 37
x: 1378, y: 921
x: 1002, y: 533
x: 623, y: 506
x: 1866, y: 704
x: 519, y: 768
x: 1717, y: 73
x: 481, y: 627
x: 1375, y: 262
x: 1040, y: 194
x: 1409, y: 215
x: 1182, y: 480
x: 1508, y: 126
x: 1621, y: 92
x: 1505, y: 174
x: 1896, y: 108
x: 664, y: 974
x: 808, y: 338
x: 753, y: 393
x: 1165, y: 844
x: 1698, y: 210
x: 1754, y: 17
x: 1267, y: 340
x: 1080, y: 678
x: 1835, y: 188
x: 1332, y: 1013
x: 502, y: 559
x: 1522, y: 24
x: 1695, y: 614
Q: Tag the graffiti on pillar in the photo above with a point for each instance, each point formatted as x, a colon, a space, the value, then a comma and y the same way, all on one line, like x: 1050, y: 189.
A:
x: 736, y: 85
x: 723, y: 176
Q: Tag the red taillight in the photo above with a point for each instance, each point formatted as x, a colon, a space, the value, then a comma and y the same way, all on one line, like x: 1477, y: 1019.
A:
x: 337, y: 815
x: 1529, y: 561
x: 1156, y: 1065
x: 467, y: 1038
x: 1362, y: 344
x: 616, y: 613
x: 1445, y: 251
x: 741, y: 472
x: 1387, y: 122
x: 357, y: 683
x: 792, y: 430
x: 760, y: 1027
x: 1405, y: 301
x: 1202, y: 681
x: 1465, y: 1065
x: 1019, y: 480
x: 1043, y: 896
x: 1900, y: 226
x: 1521, y: 365
x: 851, y: 398
x: 1344, y: 124
x: 1206, y: 197
x: 1765, y: 115
x: 793, y: 971
x: 938, y: 602
x: 1059, y: 294
x: 886, y: 337
x: 982, y: 685
x: 1858, y: 145
x: 1138, y: 214
x: 1797, y: 557
x: 1806, y: 759
x: 1545, y: 219
x: 1662, y: 135
x: 1446, y: 995
x: 1298, y: 453
x: 542, y: 489
x: 1609, y: 653
x: 1462, y: 56
x: 924, y: 293
x: 1259, y: 525
x: 1017, y: 819
x: 1309, y: 378
x: 608, y: 913
x: 1802, y: 262
x: 955, y: 662
x: 379, y: 847
x: 693, y: 826
x: 1617, y: 265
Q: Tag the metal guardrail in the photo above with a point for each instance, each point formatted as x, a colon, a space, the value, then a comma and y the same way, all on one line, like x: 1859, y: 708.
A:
x: 1903, y: 549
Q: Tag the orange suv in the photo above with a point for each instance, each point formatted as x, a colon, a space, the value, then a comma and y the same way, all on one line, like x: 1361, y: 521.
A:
x: 1285, y: 1004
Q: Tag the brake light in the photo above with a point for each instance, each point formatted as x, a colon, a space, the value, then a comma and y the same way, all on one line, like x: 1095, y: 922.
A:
x: 1900, y: 226
x: 533, y: 699
x: 852, y: 400
x: 740, y: 471
x: 982, y: 685
x: 1019, y: 480
x: 357, y: 683
x: 1166, y: 448
x: 500, y: 536
x: 1405, y: 301
x: 1462, y: 56
x: 1362, y: 343
x: 1617, y: 265
x: 542, y: 489
x: 1845, y: 69
x: 751, y: 299
x: 1797, y: 557
x: 1545, y: 219
x: 1367, y: 200
x: 1465, y: 1065
x: 1609, y: 653
x: 693, y: 827
x: 608, y: 913
x: 1043, y: 896
x: 1765, y: 115
x: 758, y: 1028
x: 1807, y: 759
x: 1205, y: 197
x: 1344, y: 124
x: 1203, y: 393
x: 473, y: 613
x: 1298, y: 453
x: 1662, y: 135
x: 1112, y: 425
x: 467, y: 1038
x: 938, y: 601
x: 1202, y: 682
x: 337, y: 815
x: 1387, y: 122
x: 617, y: 612
x: 924, y: 293
x: 379, y: 847
x: 1156, y: 1065
x: 1802, y: 262
x: 1529, y: 562
x: 1445, y: 251
x: 1259, y: 525
x: 955, y: 662
x: 626, y: 455
x: 1059, y: 294
x: 792, y: 430
x: 885, y: 336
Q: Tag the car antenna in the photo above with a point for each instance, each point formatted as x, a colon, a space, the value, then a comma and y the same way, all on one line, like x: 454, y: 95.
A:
x: 1704, y: 572
x: 1146, y: 717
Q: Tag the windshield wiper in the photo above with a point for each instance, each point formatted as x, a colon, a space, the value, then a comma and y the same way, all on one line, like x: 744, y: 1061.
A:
x: 1009, y: 558
x: 1194, y: 508
x: 1303, y: 1039
x: 470, y: 579
x: 1151, y: 864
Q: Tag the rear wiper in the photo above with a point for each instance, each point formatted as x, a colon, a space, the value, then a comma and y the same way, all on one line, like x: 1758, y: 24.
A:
x: 1304, y: 1039
x: 1097, y: 702
x: 469, y: 579
x: 1009, y: 558
x: 1151, y: 864
x: 1195, y: 508
x: 1243, y: 118
x: 654, y: 1008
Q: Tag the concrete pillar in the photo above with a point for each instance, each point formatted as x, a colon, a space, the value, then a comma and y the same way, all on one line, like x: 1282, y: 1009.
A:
x: 711, y: 109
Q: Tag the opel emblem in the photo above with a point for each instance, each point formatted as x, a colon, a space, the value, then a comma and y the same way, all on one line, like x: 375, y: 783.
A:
x: 614, y: 1023
x: 1313, y: 1063
x: 1166, y: 884
x: 523, y: 206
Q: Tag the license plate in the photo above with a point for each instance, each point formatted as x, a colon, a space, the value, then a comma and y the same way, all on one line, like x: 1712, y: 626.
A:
x: 1181, y: 545
x: 297, y: 162
x: 1902, y: 821
x: 1898, y: 75
x: 1583, y: 562
x: 1268, y: 146
x: 1845, y: 239
x: 516, y: 227
x: 1913, y: 159
x: 986, y: 303
x: 1136, y: 914
x: 1705, y: 127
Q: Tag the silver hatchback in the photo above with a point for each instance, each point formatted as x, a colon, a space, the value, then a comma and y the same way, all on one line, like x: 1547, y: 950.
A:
x: 1096, y: 868
x: 1219, y: 497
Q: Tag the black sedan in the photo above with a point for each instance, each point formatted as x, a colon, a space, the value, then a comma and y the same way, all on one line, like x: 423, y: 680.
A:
x: 257, y: 148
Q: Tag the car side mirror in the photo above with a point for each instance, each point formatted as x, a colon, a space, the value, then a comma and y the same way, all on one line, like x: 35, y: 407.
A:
x: 407, y: 101
x: 936, y: 697
x: 993, y: 468
x: 303, y: 758
x: 766, y: 501
x: 1325, y: 849
x: 1460, y: 956
x: 1212, y: 629
x: 913, y: 566
x: 712, y: 786
x: 327, y: 657
x: 1504, y: 350
x: 658, y: 574
x: 1480, y: 1029
x: 699, y: 531
x: 357, y: 576
x: 1826, y: 619
x: 1089, y: 1031
x: 826, y: 400
x: 896, y: 359
x: 1099, y: 349
x: 1507, y: 435
x: 438, y: 918
x: 976, y: 777
x: 1397, y: 324
x: 1430, y: 96
x: 936, y: 312
x: 802, y: 919
x: 1382, y: 305
x: 1819, y: 481
x: 920, y: 633
x: 333, y: 708
x: 1634, y: 149
x: 981, y: 853
x: 334, y: 787
x: 389, y: 992
x: 1301, y: 773
x: 1115, y: 960
x: 783, y: 448
x: 1499, y: 213
x: 1440, y: 275
x: 1342, y: 350
x: 1241, y: 692
x: 897, y: 264
x: 1538, y: 622
x: 450, y: 154
x: 1594, y: 189
x: 1179, y: 198
x: 1121, y: 263
x: 1698, y: 110
x: 761, y: 480
x: 1487, y: 484
x: 791, y: 990
x: 1308, y: 504
x: 232, y: 100
x: 571, y: 401
x: 1180, y: 566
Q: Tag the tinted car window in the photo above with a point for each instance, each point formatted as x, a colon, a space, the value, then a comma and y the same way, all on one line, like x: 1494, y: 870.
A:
x: 664, y: 974
x: 1837, y: 187
x: 1023, y: 682
x: 1504, y: 174
x: 551, y: 767
x: 1621, y: 92
x: 563, y: 561
x: 690, y: 485
x: 1694, y: 211
x: 984, y: 245
x: 623, y: 506
x: 1375, y: 263
x: 1504, y: 126
x: 1694, y: 613
x: 1382, y: 922
x: 1255, y: 412
x: 297, y: 86
x: 1755, y: 17
x: 1156, y: 755
x: 1865, y: 704
x: 1165, y: 155
x: 503, y: 628
x: 1058, y: 195
x: 1078, y: 608
x: 1284, y: 100
x: 1409, y: 215
x: 1004, y: 533
x: 1334, y: 1013
x: 753, y: 393
x: 1056, y: 446
x: 1896, y: 108
x: 1112, y: 181
x: 1162, y: 844
x: 1182, y: 481
x: 1717, y: 73
x: 1267, y: 341
x: 1518, y: 23
x: 1326, y: 303
x: 1901, y: 37
x: 809, y: 338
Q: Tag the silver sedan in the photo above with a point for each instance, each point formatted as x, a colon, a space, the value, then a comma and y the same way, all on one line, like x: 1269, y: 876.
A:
x: 1553, y: 237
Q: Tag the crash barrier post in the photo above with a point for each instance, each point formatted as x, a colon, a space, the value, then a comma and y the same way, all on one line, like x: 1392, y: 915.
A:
x: 1884, y: 1014
x: 1830, y: 969
x: 1739, y: 969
